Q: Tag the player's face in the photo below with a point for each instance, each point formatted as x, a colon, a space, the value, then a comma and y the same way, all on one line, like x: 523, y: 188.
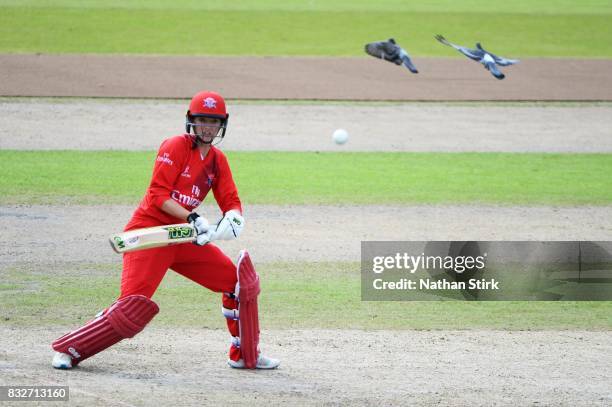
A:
x: 206, y: 128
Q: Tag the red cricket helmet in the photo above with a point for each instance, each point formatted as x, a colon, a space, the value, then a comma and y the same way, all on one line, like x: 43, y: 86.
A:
x: 207, y: 104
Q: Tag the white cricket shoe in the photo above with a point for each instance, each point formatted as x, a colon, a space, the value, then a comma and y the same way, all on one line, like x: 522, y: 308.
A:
x: 263, y: 362
x: 62, y: 361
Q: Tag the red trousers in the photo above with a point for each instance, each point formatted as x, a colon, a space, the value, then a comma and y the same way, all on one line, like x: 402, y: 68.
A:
x: 207, y: 265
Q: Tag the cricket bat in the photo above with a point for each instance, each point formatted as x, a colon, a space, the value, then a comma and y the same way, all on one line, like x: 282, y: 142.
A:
x: 140, y: 239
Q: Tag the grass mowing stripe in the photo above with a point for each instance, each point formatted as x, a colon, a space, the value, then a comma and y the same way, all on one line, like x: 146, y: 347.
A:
x: 283, y: 32
x: 322, y: 178
x: 304, y: 295
x: 484, y: 6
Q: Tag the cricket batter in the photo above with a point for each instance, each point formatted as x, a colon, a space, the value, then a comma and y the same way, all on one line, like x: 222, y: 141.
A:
x: 186, y: 169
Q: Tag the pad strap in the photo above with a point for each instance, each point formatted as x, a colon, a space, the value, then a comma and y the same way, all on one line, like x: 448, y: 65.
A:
x: 230, y: 313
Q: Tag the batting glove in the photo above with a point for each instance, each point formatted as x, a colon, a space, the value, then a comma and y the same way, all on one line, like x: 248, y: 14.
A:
x: 229, y: 227
x: 202, y: 228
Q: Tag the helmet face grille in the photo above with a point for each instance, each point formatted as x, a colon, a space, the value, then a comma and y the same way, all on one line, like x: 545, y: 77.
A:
x: 191, y: 126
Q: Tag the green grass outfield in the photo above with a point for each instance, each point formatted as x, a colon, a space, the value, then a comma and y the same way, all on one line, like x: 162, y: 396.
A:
x: 85, y: 177
x: 320, y: 28
x: 310, y: 295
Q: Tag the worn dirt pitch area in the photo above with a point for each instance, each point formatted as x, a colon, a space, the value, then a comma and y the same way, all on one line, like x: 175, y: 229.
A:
x: 297, y: 233
x: 327, y: 78
x: 128, y: 124
x: 328, y: 367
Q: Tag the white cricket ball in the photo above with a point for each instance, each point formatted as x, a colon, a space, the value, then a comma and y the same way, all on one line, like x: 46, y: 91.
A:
x: 340, y: 136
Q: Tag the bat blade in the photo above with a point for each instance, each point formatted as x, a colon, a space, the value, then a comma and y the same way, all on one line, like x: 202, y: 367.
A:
x: 140, y: 239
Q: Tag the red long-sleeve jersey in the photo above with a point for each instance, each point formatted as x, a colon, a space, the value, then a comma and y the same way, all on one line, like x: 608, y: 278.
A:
x: 181, y: 173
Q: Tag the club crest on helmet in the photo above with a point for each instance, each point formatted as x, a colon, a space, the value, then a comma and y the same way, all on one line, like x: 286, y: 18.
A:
x: 210, y: 103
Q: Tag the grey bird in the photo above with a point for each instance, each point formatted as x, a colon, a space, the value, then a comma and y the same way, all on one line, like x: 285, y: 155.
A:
x: 486, y: 58
x: 390, y: 51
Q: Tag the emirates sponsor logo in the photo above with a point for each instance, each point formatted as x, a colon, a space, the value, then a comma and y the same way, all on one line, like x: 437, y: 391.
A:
x: 185, y: 199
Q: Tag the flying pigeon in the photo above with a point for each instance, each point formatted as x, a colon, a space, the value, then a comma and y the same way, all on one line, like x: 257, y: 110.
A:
x: 489, y: 60
x: 390, y: 51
